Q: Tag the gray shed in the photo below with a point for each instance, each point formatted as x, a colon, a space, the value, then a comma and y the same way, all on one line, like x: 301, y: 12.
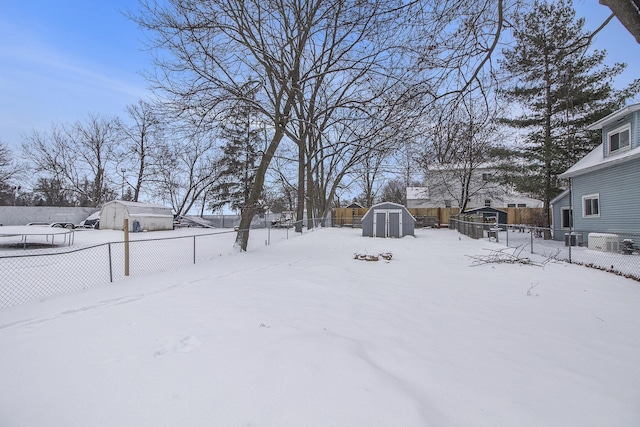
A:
x: 388, y: 219
x: 490, y: 216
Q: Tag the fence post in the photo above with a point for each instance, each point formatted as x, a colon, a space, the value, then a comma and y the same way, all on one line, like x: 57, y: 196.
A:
x: 532, y: 230
x: 126, y: 246
x: 110, y: 264
x: 194, y: 249
x: 506, y: 227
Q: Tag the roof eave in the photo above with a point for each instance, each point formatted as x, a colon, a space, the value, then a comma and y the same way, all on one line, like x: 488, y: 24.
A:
x: 614, y: 116
x: 603, y: 165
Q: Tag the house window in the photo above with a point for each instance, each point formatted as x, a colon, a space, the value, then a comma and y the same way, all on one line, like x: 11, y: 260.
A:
x: 447, y: 203
x: 486, y: 176
x: 522, y: 205
x: 567, y: 218
x: 591, y: 205
x: 511, y: 205
x: 487, y: 203
x: 619, y: 138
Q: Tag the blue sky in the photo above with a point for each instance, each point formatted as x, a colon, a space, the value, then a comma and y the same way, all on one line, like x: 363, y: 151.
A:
x: 61, y: 60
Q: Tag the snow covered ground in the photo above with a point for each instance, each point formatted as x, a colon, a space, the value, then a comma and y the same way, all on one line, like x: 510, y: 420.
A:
x: 301, y: 333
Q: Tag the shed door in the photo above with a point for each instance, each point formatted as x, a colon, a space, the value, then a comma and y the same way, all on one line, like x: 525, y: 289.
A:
x: 387, y: 223
x: 380, y: 224
x: 394, y: 224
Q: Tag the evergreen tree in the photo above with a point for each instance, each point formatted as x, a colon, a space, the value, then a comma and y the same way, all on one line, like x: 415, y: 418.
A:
x: 51, y: 192
x: 238, y: 164
x: 560, y: 87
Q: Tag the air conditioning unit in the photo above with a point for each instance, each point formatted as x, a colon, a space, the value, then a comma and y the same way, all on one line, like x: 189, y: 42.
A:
x: 603, y: 242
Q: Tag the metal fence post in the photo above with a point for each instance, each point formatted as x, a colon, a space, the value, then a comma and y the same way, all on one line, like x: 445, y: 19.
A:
x: 110, y: 264
x: 532, y: 231
x: 506, y: 227
x: 126, y: 246
x: 194, y: 249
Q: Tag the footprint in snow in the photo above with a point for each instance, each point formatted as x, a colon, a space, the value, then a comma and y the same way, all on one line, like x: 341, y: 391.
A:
x: 188, y: 344
x: 185, y: 345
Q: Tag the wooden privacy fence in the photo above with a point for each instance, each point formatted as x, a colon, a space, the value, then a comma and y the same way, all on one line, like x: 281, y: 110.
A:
x: 434, y: 217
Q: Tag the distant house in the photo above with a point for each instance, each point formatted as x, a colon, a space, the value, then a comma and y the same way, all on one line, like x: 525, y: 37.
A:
x: 388, y: 219
x: 150, y: 216
x: 417, y: 197
x: 444, y: 183
x: 604, y: 184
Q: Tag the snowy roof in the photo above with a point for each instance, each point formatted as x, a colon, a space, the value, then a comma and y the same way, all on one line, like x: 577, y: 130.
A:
x: 388, y: 205
x: 559, y: 197
x: 595, y: 160
x: 137, y: 208
x: 614, y: 117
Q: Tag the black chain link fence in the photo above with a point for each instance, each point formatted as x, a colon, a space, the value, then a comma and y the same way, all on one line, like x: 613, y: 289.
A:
x: 59, y: 270
x: 615, y: 252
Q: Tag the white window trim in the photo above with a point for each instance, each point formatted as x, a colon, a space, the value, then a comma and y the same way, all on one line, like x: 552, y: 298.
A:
x: 619, y: 130
x: 591, y: 196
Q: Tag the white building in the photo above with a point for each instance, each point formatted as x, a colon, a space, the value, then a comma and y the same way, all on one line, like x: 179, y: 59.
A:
x: 445, y: 184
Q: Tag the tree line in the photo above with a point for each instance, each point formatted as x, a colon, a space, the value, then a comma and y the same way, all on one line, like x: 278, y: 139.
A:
x: 305, y: 105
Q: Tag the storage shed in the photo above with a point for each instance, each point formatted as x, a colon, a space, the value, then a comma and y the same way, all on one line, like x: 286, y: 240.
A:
x: 489, y: 215
x: 388, y: 219
x: 150, y: 216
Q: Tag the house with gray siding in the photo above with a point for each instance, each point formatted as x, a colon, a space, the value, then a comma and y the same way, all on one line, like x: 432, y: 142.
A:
x: 605, y: 195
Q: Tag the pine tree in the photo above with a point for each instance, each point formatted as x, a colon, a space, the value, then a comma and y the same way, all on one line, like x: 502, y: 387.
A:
x: 560, y: 87
x: 239, y: 160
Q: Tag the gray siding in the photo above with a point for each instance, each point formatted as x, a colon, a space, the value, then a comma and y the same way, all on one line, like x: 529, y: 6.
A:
x: 619, y: 198
x: 558, y: 204
x: 634, y: 120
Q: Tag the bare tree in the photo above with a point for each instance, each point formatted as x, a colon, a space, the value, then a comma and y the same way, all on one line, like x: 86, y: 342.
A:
x: 215, y: 47
x: 141, y: 139
x: 9, y: 176
x: 185, y: 169
x: 311, y: 61
x: 462, y: 142
x: 82, y: 156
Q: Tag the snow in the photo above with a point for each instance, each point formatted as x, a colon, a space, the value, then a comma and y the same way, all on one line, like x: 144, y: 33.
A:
x: 300, y: 333
x: 596, y: 160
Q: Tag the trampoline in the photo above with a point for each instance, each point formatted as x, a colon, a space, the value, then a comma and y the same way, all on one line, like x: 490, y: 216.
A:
x: 33, y: 232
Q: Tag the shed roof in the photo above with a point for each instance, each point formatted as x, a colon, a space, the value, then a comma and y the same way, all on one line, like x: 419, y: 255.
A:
x: 484, y: 209
x: 387, y: 204
x: 139, y: 209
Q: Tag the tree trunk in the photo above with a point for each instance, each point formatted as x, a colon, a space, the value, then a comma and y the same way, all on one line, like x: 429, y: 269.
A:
x: 242, y: 238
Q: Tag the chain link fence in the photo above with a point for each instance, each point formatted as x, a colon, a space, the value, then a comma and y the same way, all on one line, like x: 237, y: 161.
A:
x: 50, y: 271
x: 615, y: 252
